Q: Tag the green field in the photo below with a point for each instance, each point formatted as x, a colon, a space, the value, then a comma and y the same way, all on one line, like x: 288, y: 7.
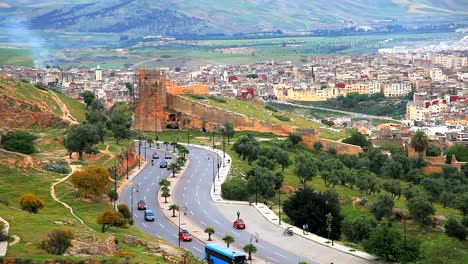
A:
x: 14, y: 56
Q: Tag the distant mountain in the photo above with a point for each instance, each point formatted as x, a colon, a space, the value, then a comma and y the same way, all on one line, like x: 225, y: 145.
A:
x: 173, y: 17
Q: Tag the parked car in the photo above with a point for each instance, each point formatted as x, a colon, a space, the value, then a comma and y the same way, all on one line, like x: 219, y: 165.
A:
x: 167, y: 156
x: 239, y: 224
x: 184, y: 235
x: 141, y: 205
x: 149, y: 215
x: 155, y: 155
x: 163, y: 164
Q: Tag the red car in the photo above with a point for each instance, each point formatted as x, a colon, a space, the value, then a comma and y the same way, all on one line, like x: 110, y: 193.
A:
x: 141, y: 205
x: 239, y: 224
x: 155, y: 155
x: 184, y: 235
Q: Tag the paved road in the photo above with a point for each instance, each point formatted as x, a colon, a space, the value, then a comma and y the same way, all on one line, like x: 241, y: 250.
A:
x: 148, y: 181
x: 192, y: 191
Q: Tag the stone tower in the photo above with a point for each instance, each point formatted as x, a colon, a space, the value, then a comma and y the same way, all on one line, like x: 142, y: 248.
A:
x: 150, y: 108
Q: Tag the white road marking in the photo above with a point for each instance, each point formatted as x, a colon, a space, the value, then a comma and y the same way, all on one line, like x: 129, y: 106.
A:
x: 152, y: 184
x: 197, y: 249
x: 198, y: 202
x: 216, y: 221
x: 176, y: 236
x: 186, y: 204
x: 273, y: 259
x: 205, y: 211
x: 188, y: 181
x: 183, y: 195
x: 144, y: 225
x: 145, y: 197
x: 196, y: 194
x: 135, y: 215
x: 203, y: 223
x: 148, y: 190
x: 279, y: 254
x: 260, y: 246
x: 219, y: 233
x: 191, y: 212
x: 198, y: 186
x: 235, y: 233
x: 161, y: 225
x: 185, y: 188
x: 157, y: 235
x: 242, y: 245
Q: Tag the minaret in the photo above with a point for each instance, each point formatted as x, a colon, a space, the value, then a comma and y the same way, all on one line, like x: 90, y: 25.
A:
x: 98, y: 73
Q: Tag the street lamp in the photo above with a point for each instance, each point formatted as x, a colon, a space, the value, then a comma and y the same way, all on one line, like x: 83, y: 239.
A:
x: 217, y: 161
x: 145, y: 146
x: 256, y: 184
x: 115, y: 181
x: 213, y: 133
x: 139, y: 151
x: 212, y: 158
x: 184, y: 209
x: 137, y: 187
x: 279, y: 210
x: 254, y: 235
x: 128, y: 150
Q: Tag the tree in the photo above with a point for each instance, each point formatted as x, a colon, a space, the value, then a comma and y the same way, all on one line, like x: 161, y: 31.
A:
x: 359, y: 228
x: 113, y: 195
x: 174, y: 207
x: 182, y: 150
x: 88, y: 98
x: 421, y: 210
x: 235, y: 188
x: 454, y: 229
x: 358, y: 139
x: 209, y: 230
x: 447, y: 197
x: 174, y: 145
x: 393, y: 187
x: 228, y: 239
x: 165, y: 193
x: 407, y: 251
x: 94, y: 180
x: 443, y: 249
x: 310, y: 207
x: 250, y: 248
x: 246, y: 146
x: 295, y: 138
x: 282, y: 158
x: 265, y: 162
x: 318, y: 145
x: 383, y: 242
x: 164, y: 182
x: 382, y: 207
x: 124, y: 210
x: 174, y: 168
x: 99, y: 120
x: 19, y: 141
x: 461, y: 203
x: 305, y: 168
x: 433, y: 151
x: 131, y: 90
x: 57, y: 242
x: 31, y: 203
x: 166, y: 143
x: 459, y: 151
x: 110, y: 218
x: 228, y: 131
x: 80, y: 138
x: 120, y: 125
x: 419, y: 142
x: 263, y: 180
x: 120, y: 132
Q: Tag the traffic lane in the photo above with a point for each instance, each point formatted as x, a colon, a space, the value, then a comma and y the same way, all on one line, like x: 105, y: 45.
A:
x: 208, y: 215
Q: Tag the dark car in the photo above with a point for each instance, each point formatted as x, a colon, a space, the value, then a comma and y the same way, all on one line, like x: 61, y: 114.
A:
x: 141, y: 205
x: 167, y: 156
x: 149, y: 215
x: 239, y: 224
x: 155, y: 155
x: 163, y: 164
x: 184, y: 235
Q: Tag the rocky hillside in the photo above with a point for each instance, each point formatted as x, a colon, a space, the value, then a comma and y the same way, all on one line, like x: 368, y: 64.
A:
x: 24, y: 106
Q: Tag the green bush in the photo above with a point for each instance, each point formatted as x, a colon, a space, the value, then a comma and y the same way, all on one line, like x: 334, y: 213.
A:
x: 235, y: 189
x: 433, y: 151
x: 197, y: 96
x: 124, y: 210
x: 19, y: 141
x: 454, y: 229
x: 219, y: 99
x: 57, y: 241
x: 282, y: 118
x: 59, y: 168
x: 271, y: 108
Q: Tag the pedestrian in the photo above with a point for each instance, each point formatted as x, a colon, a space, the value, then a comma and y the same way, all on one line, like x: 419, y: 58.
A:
x: 265, y: 202
x: 304, y: 229
x: 238, y: 214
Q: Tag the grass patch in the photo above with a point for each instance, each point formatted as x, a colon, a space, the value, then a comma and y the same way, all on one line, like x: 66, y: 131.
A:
x: 76, y: 108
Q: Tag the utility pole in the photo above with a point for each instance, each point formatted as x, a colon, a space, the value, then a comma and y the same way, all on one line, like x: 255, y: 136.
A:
x: 115, y: 181
x: 139, y: 151
x: 128, y: 150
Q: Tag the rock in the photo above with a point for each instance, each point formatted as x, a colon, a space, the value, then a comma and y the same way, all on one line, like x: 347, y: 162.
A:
x: 90, y: 245
x: 438, y: 222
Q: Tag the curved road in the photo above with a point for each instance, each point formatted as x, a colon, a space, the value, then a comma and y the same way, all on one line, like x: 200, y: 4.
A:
x: 193, y: 191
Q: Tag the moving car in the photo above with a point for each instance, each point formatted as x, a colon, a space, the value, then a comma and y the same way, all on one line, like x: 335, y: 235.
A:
x: 155, y: 155
x: 184, y: 235
x: 239, y: 224
x: 149, y: 215
x: 163, y: 164
x: 141, y: 205
x: 167, y: 156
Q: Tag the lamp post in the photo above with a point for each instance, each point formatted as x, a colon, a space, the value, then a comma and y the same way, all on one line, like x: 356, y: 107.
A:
x: 224, y: 147
x: 145, y: 146
x: 279, y: 210
x: 213, y: 133
x: 137, y: 187
x: 254, y: 235
x: 217, y: 161
x: 184, y: 209
x: 128, y: 150
x: 212, y: 158
x: 256, y: 186
x: 139, y: 151
x: 188, y: 137
x: 115, y: 181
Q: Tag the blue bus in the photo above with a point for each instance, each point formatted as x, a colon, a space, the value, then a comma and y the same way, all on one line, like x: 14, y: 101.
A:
x: 216, y: 253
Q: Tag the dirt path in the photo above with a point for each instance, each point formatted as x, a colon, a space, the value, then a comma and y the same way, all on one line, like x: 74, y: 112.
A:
x: 63, y: 107
x: 54, y: 196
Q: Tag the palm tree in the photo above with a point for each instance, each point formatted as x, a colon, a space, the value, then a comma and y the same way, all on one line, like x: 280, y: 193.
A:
x: 250, y: 248
x: 173, y: 167
x: 165, y: 194
x: 419, y: 142
x: 174, y: 145
x: 166, y: 143
x: 181, y: 161
x: 150, y: 141
x: 228, y: 239
x: 183, y: 150
x: 209, y: 231
x: 164, y: 182
x: 174, y: 207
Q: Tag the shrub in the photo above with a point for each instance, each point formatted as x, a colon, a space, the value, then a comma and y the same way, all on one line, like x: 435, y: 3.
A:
x: 282, y: 118
x: 123, y: 209
x: 55, y: 167
x: 197, y: 96
x: 31, y: 203
x: 454, y: 229
x: 234, y: 189
x: 219, y: 99
x: 271, y: 108
x: 433, y: 150
x: 359, y: 228
x: 57, y: 241
x: 19, y: 141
